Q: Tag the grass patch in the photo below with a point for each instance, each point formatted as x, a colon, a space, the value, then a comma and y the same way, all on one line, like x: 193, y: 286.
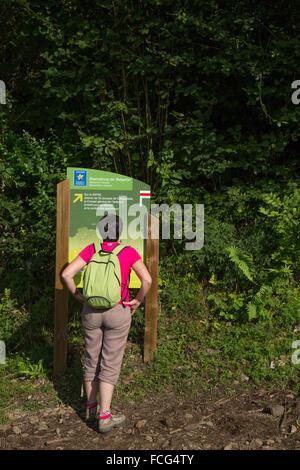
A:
x: 22, y: 392
x: 195, y: 350
x: 195, y: 353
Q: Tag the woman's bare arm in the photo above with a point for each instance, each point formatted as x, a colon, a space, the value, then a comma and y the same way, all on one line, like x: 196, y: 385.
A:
x: 68, y: 276
x: 143, y: 274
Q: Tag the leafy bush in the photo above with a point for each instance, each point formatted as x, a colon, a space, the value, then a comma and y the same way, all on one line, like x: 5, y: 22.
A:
x: 26, y: 368
x: 212, y: 258
x: 282, y: 215
x: 13, y: 322
x: 29, y: 171
x: 258, y: 282
x: 180, y: 291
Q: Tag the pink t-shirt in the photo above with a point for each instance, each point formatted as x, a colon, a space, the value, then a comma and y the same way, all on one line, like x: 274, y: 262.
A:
x: 127, y: 257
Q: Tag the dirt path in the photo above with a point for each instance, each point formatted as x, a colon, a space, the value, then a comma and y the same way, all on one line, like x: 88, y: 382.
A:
x: 245, y: 420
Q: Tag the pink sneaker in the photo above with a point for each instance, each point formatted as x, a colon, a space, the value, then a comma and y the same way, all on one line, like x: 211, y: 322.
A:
x: 110, y: 421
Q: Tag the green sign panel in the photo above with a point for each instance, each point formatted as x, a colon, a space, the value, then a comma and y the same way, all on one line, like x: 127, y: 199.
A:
x: 94, y: 192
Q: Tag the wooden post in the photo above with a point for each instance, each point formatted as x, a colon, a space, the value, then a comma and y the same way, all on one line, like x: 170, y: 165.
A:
x: 151, y: 306
x: 61, y: 292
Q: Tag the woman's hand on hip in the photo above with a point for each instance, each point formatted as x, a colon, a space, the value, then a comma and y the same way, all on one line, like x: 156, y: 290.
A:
x: 78, y: 296
x: 133, y: 304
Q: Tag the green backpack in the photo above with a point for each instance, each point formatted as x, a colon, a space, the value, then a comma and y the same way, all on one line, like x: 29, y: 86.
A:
x: 102, y: 279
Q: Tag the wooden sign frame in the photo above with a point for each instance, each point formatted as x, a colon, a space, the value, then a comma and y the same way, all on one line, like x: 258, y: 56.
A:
x: 151, y: 301
x: 62, y: 294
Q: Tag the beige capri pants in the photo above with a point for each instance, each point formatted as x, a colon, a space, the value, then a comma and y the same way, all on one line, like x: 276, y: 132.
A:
x: 105, y: 336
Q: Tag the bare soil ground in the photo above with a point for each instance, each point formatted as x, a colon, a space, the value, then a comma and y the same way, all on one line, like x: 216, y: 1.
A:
x: 245, y: 420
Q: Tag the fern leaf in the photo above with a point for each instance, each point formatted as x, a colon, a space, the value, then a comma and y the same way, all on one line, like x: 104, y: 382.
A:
x: 252, y: 311
x: 262, y: 294
x: 242, y: 261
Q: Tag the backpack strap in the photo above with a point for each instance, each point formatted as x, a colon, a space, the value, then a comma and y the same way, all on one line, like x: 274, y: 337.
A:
x: 117, y: 249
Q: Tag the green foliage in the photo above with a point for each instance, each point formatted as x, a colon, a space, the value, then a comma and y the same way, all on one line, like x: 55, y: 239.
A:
x: 212, y: 258
x: 273, y: 268
x: 171, y: 92
x: 29, y: 171
x: 243, y: 261
x: 12, y: 321
x: 198, y: 350
x: 179, y: 289
x: 194, y: 99
x: 25, y: 368
x: 256, y: 307
x: 283, y: 214
x: 227, y: 305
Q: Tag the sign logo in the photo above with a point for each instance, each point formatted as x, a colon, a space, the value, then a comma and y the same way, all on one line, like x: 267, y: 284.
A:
x: 80, y: 178
x: 144, y: 194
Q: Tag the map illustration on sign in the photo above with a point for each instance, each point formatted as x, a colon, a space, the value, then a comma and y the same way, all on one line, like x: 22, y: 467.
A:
x: 95, y: 192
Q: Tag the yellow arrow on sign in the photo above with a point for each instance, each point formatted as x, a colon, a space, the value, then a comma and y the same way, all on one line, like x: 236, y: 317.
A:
x: 78, y: 197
